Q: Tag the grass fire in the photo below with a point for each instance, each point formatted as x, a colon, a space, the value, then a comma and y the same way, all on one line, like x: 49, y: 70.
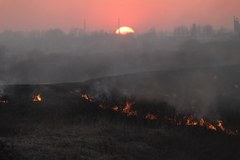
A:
x: 37, y: 98
x: 182, y: 120
x: 96, y: 122
x: 119, y: 80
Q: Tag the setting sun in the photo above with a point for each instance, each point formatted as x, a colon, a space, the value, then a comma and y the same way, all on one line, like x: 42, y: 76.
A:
x: 124, y: 31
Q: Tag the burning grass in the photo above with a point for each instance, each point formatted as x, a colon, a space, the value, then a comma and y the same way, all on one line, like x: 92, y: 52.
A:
x: 71, y: 125
x: 180, y: 120
x: 37, y: 98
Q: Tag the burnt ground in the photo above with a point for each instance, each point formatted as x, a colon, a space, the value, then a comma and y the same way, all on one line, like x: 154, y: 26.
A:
x: 66, y: 126
x: 88, y: 136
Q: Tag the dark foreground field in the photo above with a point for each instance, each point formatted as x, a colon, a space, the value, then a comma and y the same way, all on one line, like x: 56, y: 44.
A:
x: 88, y: 137
x: 65, y: 125
x: 105, y: 139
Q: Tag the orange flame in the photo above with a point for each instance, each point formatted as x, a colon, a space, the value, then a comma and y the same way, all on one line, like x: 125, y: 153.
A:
x: 186, y: 120
x: 37, y: 98
x: 128, y: 109
x: 190, y: 121
x: 227, y: 131
x: 220, y: 125
x: 85, y: 96
x: 207, y: 124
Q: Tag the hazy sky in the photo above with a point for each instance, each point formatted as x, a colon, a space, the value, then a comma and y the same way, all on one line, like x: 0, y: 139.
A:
x: 103, y: 14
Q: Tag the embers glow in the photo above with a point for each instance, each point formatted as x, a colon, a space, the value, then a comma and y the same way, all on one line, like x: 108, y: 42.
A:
x: 116, y: 108
x: 206, y: 124
x: 86, y: 97
x: 150, y: 116
x: 227, y: 131
x: 3, y: 101
x: 128, y: 109
x: 183, y: 121
x: 190, y: 121
x: 37, y: 98
x: 220, y: 125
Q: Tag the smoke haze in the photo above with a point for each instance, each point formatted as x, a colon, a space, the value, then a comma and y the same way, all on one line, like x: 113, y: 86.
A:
x: 119, y: 79
x: 188, y: 71
x: 54, y: 57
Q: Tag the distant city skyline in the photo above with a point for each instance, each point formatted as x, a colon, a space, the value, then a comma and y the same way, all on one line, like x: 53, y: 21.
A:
x: 104, y: 14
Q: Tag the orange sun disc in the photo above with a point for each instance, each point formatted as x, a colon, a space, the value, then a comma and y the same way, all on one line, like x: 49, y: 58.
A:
x: 125, y: 31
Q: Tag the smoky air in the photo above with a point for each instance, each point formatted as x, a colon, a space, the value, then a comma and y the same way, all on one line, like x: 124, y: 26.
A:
x: 123, y: 95
x: 119, y: 80
x: 196, y: 67
x: 54, y: 56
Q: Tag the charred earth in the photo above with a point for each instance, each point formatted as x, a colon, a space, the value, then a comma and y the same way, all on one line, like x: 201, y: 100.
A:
x: 141, y: 116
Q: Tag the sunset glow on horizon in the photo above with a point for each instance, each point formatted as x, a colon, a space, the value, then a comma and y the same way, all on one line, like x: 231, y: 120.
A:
x: 102, y: 15
x: 124, y: 31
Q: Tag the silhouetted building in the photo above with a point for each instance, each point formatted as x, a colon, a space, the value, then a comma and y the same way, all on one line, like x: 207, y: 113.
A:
x: 195, y: 30
x: 181, y: 31
x: 236, y: 25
